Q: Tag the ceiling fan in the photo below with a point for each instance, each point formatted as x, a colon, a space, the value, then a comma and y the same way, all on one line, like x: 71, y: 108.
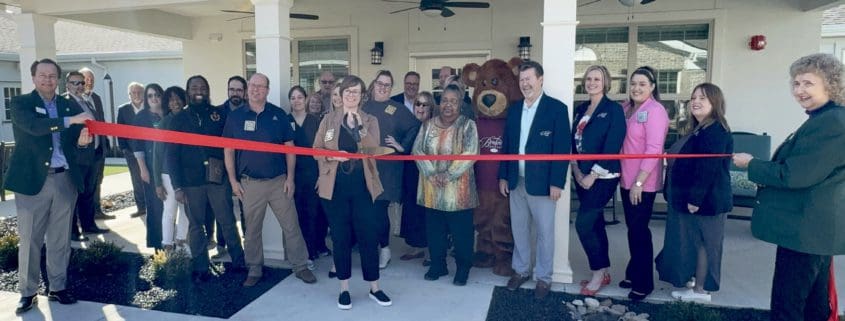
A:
x: 252, y: 14
x: 433, y: 8
x: 627, y: 3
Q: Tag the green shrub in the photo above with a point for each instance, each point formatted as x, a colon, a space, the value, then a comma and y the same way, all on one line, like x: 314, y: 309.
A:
x: 684, y: 311
x: 171, y: 269
x: 9, y: 252
x: 99, y: 258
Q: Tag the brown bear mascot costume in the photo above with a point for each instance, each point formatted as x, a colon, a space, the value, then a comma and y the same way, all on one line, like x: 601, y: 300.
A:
x: 496, y: 88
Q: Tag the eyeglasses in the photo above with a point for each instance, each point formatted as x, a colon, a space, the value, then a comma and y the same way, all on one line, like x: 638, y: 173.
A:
x: 326, y: 82
x: 352, y: 92
x: 420, y: 103
x: 383, y: 85
x: 76, y: 83
x: 154, y: 95
x: 449, y: 101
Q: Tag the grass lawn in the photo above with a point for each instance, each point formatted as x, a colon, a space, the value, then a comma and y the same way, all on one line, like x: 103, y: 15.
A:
x: 115, y: 169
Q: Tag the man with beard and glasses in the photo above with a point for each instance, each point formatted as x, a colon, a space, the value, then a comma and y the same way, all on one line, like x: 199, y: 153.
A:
x: 327, y: 84
x: 198, y: 178
x: 236, y: 99
x: 398, y: 128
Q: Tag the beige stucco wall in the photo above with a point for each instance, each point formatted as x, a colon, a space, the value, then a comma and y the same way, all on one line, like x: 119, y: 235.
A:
x: 755, y: 82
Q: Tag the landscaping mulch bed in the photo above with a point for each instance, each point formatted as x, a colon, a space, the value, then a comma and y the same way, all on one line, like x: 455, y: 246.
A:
x: 222, y: 296
x: 521, y: 305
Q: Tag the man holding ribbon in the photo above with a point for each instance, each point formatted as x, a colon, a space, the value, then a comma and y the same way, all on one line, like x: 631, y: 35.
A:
x: 259, y: 179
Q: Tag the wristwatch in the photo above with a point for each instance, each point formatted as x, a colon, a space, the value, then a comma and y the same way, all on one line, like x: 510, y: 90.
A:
x: 638, y: 184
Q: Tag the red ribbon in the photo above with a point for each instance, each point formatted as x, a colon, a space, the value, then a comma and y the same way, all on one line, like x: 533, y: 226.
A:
x: 176, y: 137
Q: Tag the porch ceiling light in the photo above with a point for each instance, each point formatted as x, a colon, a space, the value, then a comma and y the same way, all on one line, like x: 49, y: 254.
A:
x: 431, y: 12
x: 377, y: 53
x: 585, y: 54
x: 524, y: 48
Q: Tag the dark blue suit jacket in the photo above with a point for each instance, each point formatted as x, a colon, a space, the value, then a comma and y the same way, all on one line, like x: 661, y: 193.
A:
x: 703, y: 182
x: 549, y: 134
x: 400, y: 98
x: 604, y: 134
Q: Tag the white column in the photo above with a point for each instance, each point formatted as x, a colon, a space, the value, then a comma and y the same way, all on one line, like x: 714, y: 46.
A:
x: 38, y: 41
x: 272, y: 46
x: 558, y: 81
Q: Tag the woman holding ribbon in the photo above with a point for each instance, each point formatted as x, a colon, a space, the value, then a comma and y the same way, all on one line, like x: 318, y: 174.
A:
x: 150, y: 117
x: 802, y: 193
x: 647, y: 124
x: 698, y: 194
x: 598, y: 128
x: 349, y: 187
x: 447, y: 188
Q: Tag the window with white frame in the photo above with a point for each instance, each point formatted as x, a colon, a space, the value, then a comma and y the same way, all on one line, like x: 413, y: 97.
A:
x: 679, y: 53
x: 8, y: 93
x: 309, y: 58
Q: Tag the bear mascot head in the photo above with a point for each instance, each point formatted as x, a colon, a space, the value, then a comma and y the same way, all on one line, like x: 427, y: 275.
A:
x: 496, y: 88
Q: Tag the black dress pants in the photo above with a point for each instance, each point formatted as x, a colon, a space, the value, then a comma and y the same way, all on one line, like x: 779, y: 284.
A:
x: 199, y: 199
x: 590, y: 221
x: 438, y: 225
x: 137, y: 183
x: 83, y: 213
x: 384, y: 223
x: 640, y: 268
x: 800, y: 286
x: 351, y: 213
x: 155, y: 210
x: 312, y: 219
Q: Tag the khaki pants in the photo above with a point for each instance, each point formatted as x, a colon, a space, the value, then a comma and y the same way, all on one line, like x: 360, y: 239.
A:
x: 258, y: 193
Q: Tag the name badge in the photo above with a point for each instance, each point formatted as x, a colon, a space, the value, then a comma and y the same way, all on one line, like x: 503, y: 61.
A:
x: 41, y: 110
x: 249, y: 125
x: 642, y: 116
x: 293, y: 126
x: 329, y: 135
x: 390, y: 109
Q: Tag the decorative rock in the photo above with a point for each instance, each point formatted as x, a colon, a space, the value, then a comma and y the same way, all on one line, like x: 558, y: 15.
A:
x: 607, y: 303
x: 619, y: 309
x: 582, y: 310
x: 592, y: 303
x: 643, y: 316
x: 629, y: 315
x: 570, y: 306
x: 578, y: 303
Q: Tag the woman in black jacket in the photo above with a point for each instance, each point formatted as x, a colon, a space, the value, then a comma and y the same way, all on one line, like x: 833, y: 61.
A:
x: 698, y: 193
x: 598, y: 128
x: 150, y: 117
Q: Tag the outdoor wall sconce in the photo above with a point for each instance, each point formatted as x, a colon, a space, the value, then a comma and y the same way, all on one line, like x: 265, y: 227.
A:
x: 758, y: 42
x: 377, y: 53
x: 524, y: 48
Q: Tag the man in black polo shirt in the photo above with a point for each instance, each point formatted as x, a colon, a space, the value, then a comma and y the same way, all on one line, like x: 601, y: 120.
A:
x: 260, y: 178
x: 197, y: 174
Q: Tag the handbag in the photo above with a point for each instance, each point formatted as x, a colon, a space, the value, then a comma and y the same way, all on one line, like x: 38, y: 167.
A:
x: 214, y: 170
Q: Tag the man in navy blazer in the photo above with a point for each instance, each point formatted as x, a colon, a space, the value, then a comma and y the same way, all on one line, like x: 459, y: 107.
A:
x: 539, y: 124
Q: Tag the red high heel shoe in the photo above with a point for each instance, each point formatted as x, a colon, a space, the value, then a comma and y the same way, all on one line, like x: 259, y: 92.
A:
x: 604, y: 281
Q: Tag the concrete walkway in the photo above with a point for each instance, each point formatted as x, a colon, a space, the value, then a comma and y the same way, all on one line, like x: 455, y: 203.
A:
x: 746, y: 281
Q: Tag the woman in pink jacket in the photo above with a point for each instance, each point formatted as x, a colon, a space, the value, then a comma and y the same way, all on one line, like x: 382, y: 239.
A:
x: 647, y: 125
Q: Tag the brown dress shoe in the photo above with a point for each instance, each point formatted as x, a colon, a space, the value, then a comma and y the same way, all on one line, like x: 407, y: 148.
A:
x: 541, y: 289
x: 516, y: 281
x: 251, y: 281
x: 306, y: 276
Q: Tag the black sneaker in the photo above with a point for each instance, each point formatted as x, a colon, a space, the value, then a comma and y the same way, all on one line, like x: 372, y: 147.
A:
x: 344, y: 302
x: 63, y: 296
x: 381, y: 298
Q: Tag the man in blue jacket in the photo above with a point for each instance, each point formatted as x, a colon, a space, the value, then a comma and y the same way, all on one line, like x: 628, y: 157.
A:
x: 539, y: 124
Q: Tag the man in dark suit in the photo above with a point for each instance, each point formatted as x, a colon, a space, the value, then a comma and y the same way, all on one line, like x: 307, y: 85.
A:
x: 410, y: 91
x: 103, y: 141
x: 126, y: 116
x: 48, y: 131
x: 539, y: 124
x: 84, y: 210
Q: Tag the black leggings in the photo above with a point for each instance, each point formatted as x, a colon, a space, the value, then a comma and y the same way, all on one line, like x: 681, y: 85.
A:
x: 640, y: 268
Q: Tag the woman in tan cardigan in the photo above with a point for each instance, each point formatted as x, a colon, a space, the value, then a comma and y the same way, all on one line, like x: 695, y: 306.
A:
x: 348, y: 188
